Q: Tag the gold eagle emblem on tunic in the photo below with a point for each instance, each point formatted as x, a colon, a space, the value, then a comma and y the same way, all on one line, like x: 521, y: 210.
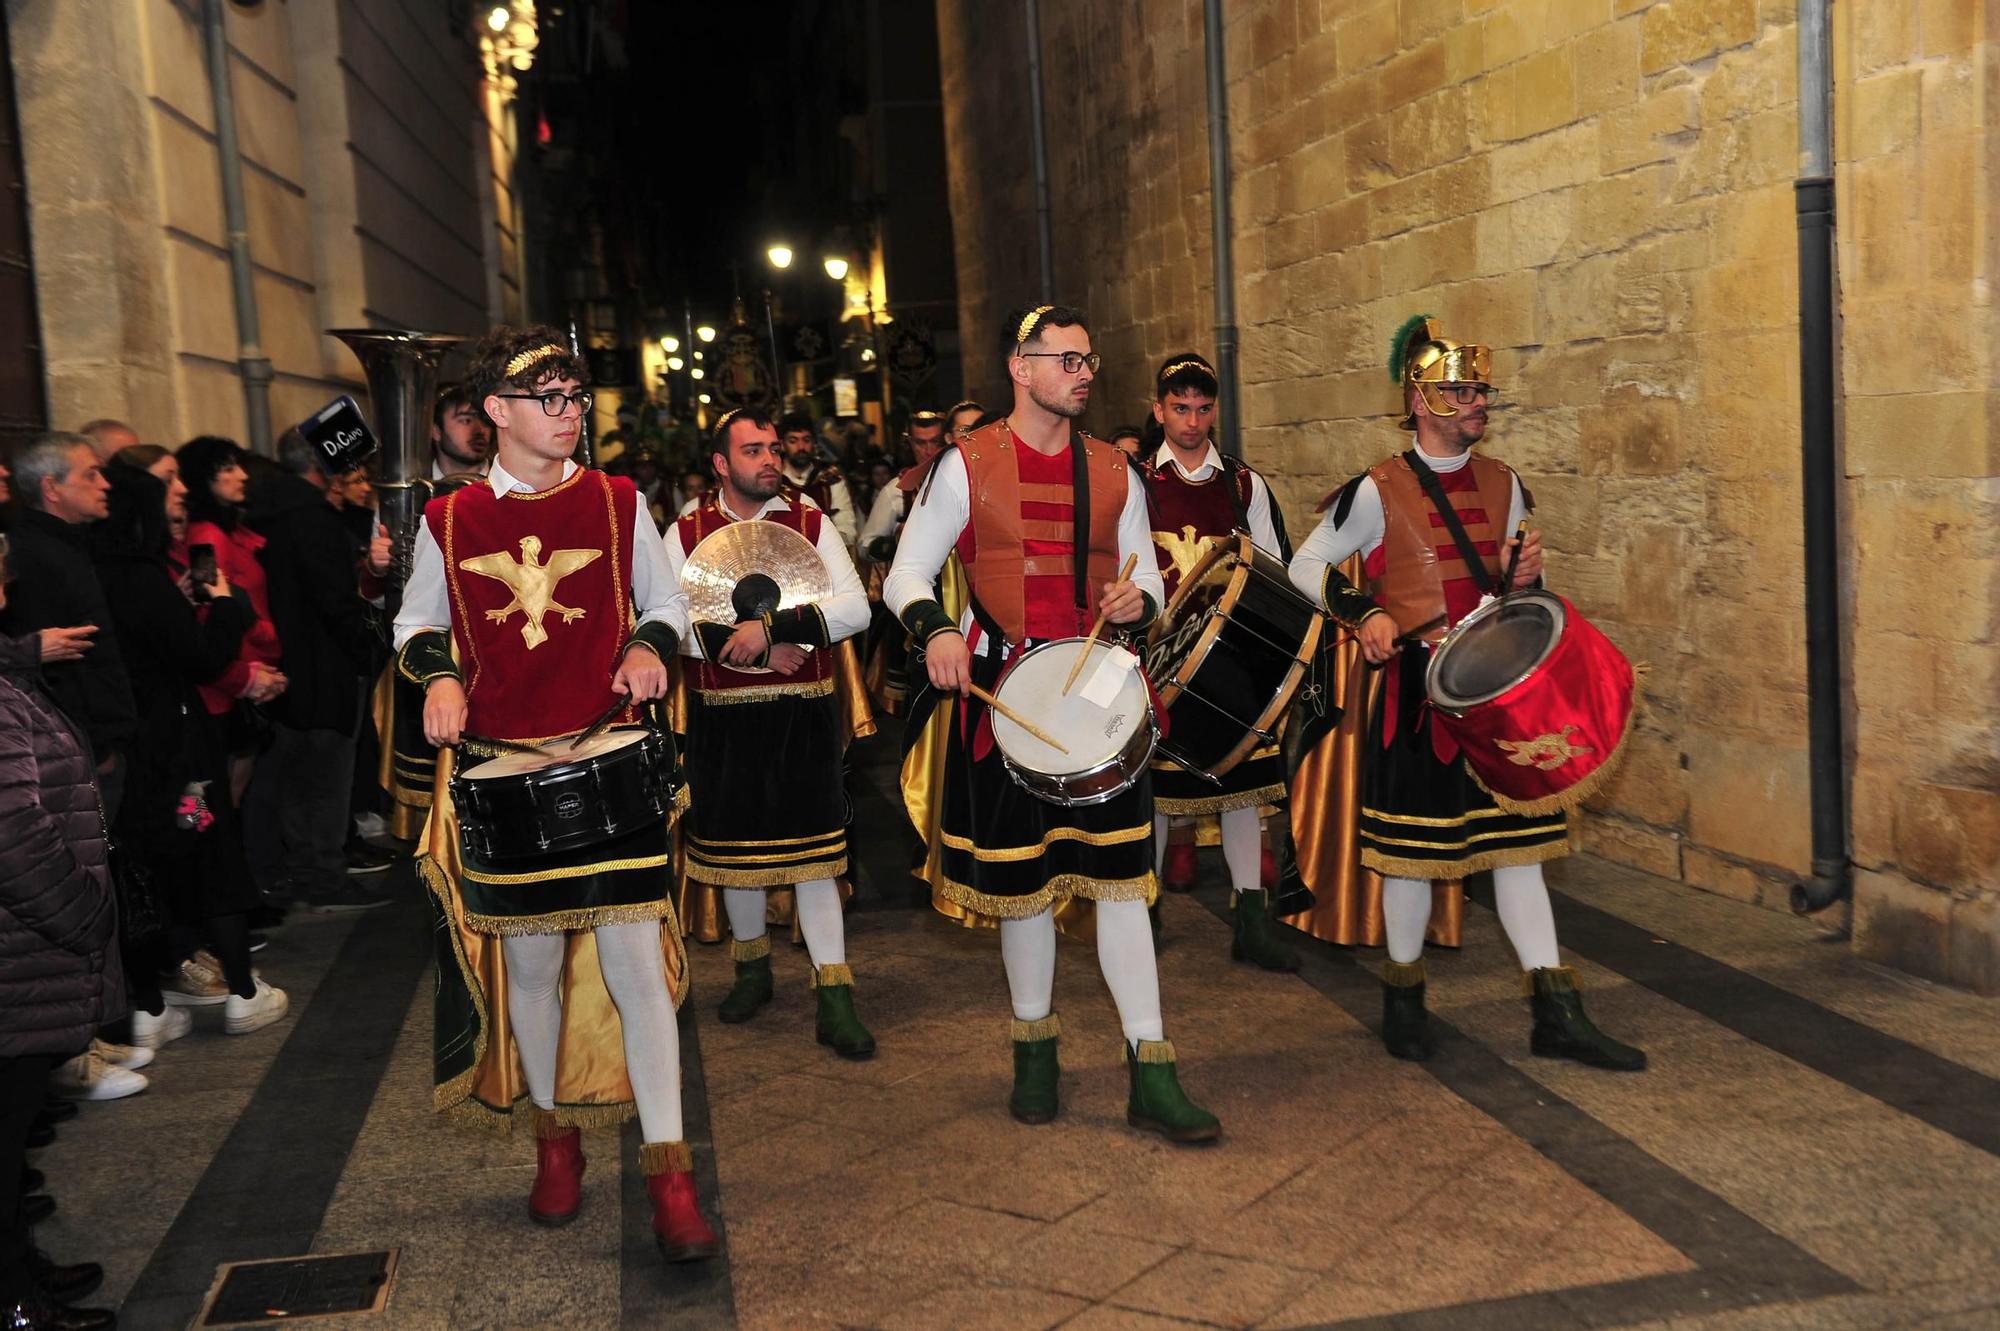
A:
x: 533, y: 584
x: 1183, y: 548
x: 1546, y: 752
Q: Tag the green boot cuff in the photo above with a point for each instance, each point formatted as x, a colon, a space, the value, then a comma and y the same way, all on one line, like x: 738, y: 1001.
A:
x: 1150, y: 1051
x: 1550, y: 980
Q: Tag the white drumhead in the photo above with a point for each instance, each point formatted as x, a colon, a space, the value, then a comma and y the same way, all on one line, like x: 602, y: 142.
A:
x: 557, y: 751
x: 1092, y: 734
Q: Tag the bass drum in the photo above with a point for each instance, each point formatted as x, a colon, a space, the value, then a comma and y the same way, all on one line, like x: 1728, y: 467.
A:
x: 1105, y: 744
x: 522, y: 805
x: 1228, y: 655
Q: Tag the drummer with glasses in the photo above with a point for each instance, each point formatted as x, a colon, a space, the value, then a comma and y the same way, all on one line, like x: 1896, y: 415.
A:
x: 540, y: 602
x: 1434, y: 526
x: 1043, y: 518
x: 1201, y: 497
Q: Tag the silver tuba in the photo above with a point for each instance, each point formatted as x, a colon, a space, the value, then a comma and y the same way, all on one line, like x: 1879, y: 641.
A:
x: 402, y: 371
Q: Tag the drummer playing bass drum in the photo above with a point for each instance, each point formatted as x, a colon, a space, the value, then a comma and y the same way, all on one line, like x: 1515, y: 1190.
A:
x: 1043, y: 517
x: 1424, y: 523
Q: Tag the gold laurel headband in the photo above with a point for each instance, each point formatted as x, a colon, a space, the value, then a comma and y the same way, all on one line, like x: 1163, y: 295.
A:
x: 1027, y: 328
x: 527, y: 358
x: 1180, y: 365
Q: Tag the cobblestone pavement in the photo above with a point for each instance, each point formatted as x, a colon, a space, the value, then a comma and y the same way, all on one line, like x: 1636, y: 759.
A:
x: 1814, y: 1145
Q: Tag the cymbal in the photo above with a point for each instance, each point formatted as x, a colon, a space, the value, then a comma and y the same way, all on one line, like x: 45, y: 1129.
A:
x: 749, y: 568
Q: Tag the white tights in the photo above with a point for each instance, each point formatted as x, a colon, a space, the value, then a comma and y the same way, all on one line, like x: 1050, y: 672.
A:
x: 1242, y: 846
x: 1520, y: 897
x: 1124, y: 954
x: 819, y: 918
x: 636, y: 975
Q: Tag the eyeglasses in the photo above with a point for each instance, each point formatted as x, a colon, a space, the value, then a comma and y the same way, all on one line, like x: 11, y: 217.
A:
x: 553, y: 403
x: 1467, y: 394
x: 1072, y: 361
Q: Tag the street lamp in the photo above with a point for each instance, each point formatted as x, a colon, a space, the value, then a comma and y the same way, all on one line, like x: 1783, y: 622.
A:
x: 696, y: 373
x: 675, y: 362
x: 780, y: 256
x: 670, y: 345
x: 703, y: 399
x: 499, y: 18
x: 836, y: 267
x: 705, y: 333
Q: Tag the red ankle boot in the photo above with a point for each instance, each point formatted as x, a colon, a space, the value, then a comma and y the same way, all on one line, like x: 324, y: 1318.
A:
x: 678, y: 1228
x: 1180, y: 866
x: 558, y: 1191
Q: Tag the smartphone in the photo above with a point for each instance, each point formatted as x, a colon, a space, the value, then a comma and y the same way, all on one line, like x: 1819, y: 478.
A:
x: 201, y: 570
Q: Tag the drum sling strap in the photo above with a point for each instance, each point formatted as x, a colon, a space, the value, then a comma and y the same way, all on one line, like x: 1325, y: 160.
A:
x: 1475, y: 564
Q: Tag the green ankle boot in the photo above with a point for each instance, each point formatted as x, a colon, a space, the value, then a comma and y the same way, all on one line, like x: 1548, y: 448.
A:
x: 837, y: 1026
x: 1256, y: 934
x: 1158, y: 1104
x: 753, y: 980
x: 1563, y: 1031
x: 1036, y: 1071
x: 1406, y: 1026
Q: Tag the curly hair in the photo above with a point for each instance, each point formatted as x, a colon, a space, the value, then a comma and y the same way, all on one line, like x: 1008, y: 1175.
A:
x: 541, y: 353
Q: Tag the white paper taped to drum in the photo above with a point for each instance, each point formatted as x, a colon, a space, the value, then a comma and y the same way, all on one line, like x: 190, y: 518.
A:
x: 1109, y: 677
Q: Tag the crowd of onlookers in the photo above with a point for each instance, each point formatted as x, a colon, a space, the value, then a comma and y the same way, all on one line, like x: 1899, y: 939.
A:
x: 186, y: 640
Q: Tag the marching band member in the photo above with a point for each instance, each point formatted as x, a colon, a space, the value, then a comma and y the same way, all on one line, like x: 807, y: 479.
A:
x: 764, y: 750
x: 1191, y: 513
x: 1042, y: 517
x: 804, y: 475
x: 539, y: 596
x: 1427, y: 526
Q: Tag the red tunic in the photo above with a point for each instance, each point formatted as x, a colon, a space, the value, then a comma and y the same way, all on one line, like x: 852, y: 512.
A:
x: 541, y: 599
x: 1189, y: 515
x: 705, y: 521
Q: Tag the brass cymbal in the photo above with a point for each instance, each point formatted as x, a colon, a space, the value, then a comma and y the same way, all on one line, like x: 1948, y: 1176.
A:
x: 749, y: 567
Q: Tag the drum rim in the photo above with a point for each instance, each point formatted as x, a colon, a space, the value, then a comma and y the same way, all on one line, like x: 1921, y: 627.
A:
x: 1558, y: 611
x: 1170, y: 688
x: 1021, y: 775
x: 648, y: 733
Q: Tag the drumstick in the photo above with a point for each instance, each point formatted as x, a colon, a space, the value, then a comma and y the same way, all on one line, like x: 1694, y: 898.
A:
x: 598, y: 724
x: 1131, y: 562
x: 1014, y: 716
x: 1514, y: 560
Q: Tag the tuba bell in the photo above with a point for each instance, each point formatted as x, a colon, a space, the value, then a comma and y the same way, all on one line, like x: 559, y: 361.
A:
x: 402, y: 372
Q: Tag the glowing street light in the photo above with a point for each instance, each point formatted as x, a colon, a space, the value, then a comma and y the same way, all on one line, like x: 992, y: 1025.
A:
x: 696, y: 373
x: 780, y: 256
x: 499, y: 18
x: 705, y: 333
x: 670, y: 345
x: 836, y: 267
x: 703, y: 399
x: 675, y: 362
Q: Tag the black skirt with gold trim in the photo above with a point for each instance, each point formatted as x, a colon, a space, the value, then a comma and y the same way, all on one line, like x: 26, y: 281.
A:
x: 1007, y: 854
x: 768, y: 806
x: 1421, y: 818
x: 1258, y: 779
x: 613, y: 882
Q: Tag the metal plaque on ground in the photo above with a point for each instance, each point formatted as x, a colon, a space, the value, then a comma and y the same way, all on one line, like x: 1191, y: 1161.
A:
x: 289, y: 1289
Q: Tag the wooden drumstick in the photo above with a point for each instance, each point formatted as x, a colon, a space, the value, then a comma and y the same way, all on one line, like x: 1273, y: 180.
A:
x: 1514, y: 560
x: 1014, y: 716
x: 1131, y: 562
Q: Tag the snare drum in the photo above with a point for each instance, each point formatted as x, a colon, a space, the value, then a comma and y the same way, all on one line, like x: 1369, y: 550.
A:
x: 521, y: 805
x: 1109, y: 743
x: 1538, y: 700
x: 1229, y: 653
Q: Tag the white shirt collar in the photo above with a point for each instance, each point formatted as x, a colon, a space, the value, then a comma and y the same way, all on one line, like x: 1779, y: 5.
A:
x: 504, y: 482
x: 1446, y: 465
x: 1210, y: 461
x: 776, y: 501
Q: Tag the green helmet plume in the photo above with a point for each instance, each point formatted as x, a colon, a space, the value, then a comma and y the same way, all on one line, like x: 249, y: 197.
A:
x: 1411, y: 332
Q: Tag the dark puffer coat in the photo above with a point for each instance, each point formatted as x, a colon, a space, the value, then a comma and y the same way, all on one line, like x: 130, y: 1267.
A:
x: 60, y: 978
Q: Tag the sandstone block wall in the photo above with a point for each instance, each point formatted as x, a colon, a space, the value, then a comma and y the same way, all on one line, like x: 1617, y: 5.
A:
x: 1601, y: 190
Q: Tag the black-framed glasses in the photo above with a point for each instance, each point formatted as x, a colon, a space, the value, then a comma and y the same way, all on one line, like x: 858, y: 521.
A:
x: 1467, y: 394
x: 553, y: 403
x: 1072, y: 361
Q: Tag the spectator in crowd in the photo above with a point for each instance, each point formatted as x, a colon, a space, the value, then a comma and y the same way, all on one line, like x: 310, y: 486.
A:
x: 958, y: 422
x: 177, y: 822
x: 1126, y: 440
x: 59, y: 972
x: 296, y: 812
x: 461, y: 436
x: 694, y: 489
x: 62, y: 489
x: 107, y: 436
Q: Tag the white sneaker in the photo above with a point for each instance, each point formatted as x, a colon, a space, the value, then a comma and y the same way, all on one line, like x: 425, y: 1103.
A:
x: 242, y: 1015
x: 131, y: 1057
x: 89, y: 1077
x: 150, y: 1032
x: 196, y: 982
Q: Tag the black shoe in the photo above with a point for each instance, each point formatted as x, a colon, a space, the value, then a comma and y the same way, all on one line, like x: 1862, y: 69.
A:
x: 63, y: 1284
x: 37, y: 1207
x: 1563, y: 1031
x: 31, y: 1181
x: 56, y: 1111
x: 40, y: 1316
x: 1406, y: 1026
x: 364, y: 859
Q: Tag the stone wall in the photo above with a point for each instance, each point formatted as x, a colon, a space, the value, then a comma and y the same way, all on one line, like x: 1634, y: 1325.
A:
x: 1601, y: 190
x: 369, y: 186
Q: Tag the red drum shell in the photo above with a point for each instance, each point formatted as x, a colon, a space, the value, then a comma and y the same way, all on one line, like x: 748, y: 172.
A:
x: 1551, y: 740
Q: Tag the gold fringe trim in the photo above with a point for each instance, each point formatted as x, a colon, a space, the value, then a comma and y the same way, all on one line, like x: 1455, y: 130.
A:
x: 1218, y: 803
x: 833, y: 977
x: 575, y: 871
x: 702, y: 871
x: 1048, y: 1028
x: 478, y: 1116
x: 545, y: 1125
x: 1396, y: 866
x: 665, y: 1158
x: 562, y: 921
x: 1150, y: 1051
x: 1011, y: 854
x: 1403, y: 974
x: 763, y: 693
x: 1562, y: 980
x: 1054, y: 893
x: 450, y: 1096
x: 1565, y: 800
x: 750, y: 950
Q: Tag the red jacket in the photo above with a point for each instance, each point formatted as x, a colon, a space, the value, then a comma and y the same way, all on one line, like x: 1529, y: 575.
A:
x: 236, y: 554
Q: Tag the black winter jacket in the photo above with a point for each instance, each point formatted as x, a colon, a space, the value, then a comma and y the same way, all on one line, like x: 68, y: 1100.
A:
x: 55, y: 587
x: 331, y: 637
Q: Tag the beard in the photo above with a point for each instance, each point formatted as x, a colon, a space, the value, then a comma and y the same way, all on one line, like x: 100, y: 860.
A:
x: 1063, y: 403
x: 755, y: 484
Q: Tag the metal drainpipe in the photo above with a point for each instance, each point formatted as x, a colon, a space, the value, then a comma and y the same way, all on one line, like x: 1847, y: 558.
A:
x: 1820, y: 457
x: 252, y: 363
x: 1038, y: 131
x: 1221, y: 239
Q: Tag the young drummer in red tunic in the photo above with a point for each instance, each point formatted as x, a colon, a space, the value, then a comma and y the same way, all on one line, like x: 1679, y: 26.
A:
x: 764, y: 750
x: 1200, y: 498
x: 1043, y: 517
x: 538, y: 597
x: 1423, y: 816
